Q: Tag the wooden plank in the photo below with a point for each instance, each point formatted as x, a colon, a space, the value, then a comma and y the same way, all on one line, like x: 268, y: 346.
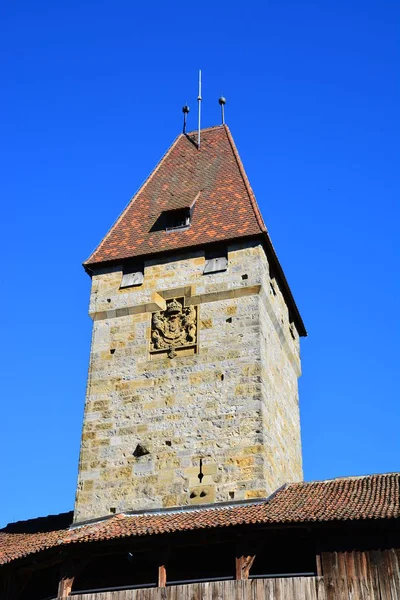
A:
x: 320, y: 588
x: 162, y: 576
x: 363, y: 576
x: 299, y: 589
x: 318, y: 562
x: 258, y: 590
x: 238, y: 567
x: 311, y: 585
x: 384, y: 587
x: 239, y: 590
x: 396, y: 571
x: 373, y: 575
x: 67, y: 576
x: 354, y: 592
x: 278, y: 590
x: 164, y: 594
x: 205, y: 591
x: 293, y: 588
x: 218, y: 589
x: 390, y: 568
x: 329, y: 570
x: 252, y: 587
x: 175, y: 593
x: 300, y: 586
x: 243, y: 566
x: 194, y: 592
x: 182, y: 592
x: 341, y: 583
x: 270, y: 589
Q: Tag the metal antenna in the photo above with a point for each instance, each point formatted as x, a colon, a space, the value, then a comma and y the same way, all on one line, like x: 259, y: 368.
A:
x: 185, y: 111
x: 222, y: 102
x: 199, y: 105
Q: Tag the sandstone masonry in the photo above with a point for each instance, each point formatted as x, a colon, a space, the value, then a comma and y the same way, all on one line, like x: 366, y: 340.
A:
x: 217, y: 422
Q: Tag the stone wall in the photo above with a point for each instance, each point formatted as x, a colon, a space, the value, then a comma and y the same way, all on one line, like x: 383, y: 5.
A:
x: 218, y: 422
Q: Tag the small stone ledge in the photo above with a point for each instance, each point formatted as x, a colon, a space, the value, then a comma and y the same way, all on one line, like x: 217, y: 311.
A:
x: 158, y: 301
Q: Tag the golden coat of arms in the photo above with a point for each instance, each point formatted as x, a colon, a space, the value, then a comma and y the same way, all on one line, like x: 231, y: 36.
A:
x: 175, y: 327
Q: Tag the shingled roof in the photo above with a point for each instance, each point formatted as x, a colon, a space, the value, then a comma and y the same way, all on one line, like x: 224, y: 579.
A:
x: 212, y: 177
x: 347, y: 499
x: 212, y: 182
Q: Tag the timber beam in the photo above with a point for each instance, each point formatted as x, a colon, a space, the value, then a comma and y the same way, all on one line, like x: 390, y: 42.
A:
x: 243, y: 566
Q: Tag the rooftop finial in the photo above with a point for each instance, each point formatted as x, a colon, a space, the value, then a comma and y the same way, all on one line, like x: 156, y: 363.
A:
x: 185, y: 111
x: 199, y: 105
x: 222, y: 102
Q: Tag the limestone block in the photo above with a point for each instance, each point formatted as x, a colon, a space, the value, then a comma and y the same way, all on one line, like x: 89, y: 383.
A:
x: 233, y: 403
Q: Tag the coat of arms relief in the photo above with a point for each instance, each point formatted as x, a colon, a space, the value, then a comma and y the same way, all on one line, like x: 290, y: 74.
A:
x: 174, y: 328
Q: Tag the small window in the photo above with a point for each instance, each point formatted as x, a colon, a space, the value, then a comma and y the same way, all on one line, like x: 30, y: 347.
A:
x: 216, y: 261
x: 132, y: 275
x: 174, y: 219
x: 177, y: 219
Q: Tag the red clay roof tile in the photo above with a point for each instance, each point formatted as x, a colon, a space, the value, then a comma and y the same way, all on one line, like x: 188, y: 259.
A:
x: 355, y: 499
x: 225, y: 207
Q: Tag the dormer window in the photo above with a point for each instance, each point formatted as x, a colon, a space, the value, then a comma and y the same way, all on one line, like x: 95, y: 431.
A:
x: 177, y: 219
x: 177, y: 216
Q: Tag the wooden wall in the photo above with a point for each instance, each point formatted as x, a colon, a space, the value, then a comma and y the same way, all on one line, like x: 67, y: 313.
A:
x: 371, y: 575
x: 292, y: 588
x: 356, y: 575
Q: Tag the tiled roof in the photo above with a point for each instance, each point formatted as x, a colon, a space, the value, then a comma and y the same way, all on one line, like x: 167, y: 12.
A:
x: 347, y: 499
x: 225, y: 206
x: 213, y: 182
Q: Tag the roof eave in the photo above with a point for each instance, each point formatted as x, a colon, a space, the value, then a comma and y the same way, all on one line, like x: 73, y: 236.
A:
x: 294, y: 313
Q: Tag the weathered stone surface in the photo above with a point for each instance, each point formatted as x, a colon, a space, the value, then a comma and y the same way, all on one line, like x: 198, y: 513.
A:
x: 230, y: 402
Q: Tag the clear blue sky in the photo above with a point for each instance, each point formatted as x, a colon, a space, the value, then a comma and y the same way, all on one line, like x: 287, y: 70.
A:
x: 91, y: 98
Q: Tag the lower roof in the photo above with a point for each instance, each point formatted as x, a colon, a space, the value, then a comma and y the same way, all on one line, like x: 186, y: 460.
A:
x: 345, y: 499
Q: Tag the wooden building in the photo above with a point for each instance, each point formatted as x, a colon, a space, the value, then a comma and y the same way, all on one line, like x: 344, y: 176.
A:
x: 331, y: 540
x: 190, y: 476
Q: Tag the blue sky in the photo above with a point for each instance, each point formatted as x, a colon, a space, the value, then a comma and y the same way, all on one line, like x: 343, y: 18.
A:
x: 92, y: 96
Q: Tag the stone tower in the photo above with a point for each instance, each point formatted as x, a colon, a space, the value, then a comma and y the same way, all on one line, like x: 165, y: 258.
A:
x: 192, y: 394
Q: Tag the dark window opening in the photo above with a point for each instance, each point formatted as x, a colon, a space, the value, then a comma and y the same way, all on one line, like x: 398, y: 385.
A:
x: 201, y: 563
x: 216, y: 260
x: 43, y: 583
x: 177, y: 219
x: 171, y: 220
x: 284, y: 556
x: 132, y: 274
x: 118, y: 570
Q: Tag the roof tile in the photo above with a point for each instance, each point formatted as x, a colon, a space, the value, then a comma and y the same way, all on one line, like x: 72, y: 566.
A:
x: 352, y: 498
x: 213, y: 175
